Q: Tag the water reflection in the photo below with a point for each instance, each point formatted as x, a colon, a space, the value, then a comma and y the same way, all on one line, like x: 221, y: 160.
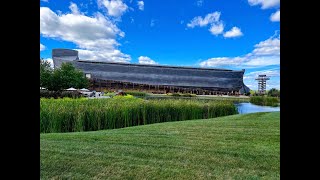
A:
x: 244, y: 108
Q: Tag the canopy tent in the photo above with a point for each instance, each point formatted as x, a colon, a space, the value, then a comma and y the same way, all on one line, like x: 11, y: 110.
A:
x: 84, y: 89
x: 71, y: 89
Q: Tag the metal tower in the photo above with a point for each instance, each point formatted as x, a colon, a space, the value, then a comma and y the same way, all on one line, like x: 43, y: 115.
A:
x: 262, y: 83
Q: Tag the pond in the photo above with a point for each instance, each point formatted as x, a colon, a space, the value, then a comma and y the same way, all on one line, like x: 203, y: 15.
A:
x: 244, y: 108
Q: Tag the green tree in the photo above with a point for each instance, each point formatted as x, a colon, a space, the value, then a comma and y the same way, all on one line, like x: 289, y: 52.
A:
x: 45, y: 73
x: 61, y: 78
x: 67, y: 76
x: 274, y: 92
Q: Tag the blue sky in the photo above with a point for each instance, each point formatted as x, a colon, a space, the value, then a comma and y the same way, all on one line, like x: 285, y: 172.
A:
x: 233, y: 34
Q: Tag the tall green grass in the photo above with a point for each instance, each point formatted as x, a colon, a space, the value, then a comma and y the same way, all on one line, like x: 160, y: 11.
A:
x: 265, y: 101
x: 136, y: 93
x: 72, y: 115
x: 182, y: 95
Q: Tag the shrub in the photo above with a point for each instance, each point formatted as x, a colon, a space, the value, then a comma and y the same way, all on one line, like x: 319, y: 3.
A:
x: 128, y: 96
x: 59, y: 94
x: 181, y: 95
x: 274, y: 92
x: 173, y: 94
x: 71, y: 94
x: 111, y: 94
x: 188, y: 95
x: 136, y: 93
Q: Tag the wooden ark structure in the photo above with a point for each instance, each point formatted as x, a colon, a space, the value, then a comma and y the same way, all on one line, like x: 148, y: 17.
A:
x: 154, y: 78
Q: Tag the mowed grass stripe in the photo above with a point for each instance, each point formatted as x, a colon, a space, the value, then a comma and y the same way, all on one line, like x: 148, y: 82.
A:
x: 248, y: 148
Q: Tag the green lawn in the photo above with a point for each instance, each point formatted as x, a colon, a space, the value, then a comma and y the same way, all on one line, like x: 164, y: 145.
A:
x: 231, y: 147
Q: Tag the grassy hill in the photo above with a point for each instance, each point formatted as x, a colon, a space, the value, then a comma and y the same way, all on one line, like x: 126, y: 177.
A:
x: 232, y: 147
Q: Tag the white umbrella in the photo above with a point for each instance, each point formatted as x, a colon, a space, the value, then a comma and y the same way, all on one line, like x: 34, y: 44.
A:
x: 71, y: 89
x: 84, y: 89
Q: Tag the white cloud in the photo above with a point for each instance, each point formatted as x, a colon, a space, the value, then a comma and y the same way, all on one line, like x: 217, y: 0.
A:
x: 141, y: 5
x: 275, y: 17
x: 274, y: 82
x: 59, y: 12
x: 265, y: 4
x: 146, y: 60
x: 266, y: 53
x: 217, y: 25
x: 200, y: 3
x: 208, y: 19
x: 268, y: 47
x: 112, y: 55
x: 96, y: 34
x: 152, y: 23
x: 44, y: 0
x: 74, y: 8
x: 269, y: 72
x: 222, y: 61
x: 42, y: 47
x: 234, y: 32
x: 115, y: 8
x: 217, y: 29
x: 260, y: 61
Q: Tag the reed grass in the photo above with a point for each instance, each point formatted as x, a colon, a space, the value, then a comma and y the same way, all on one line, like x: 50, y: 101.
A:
x: 73, y: 115
x: 181, y: 94
x: 136, y: 93
x: 265, y: 101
